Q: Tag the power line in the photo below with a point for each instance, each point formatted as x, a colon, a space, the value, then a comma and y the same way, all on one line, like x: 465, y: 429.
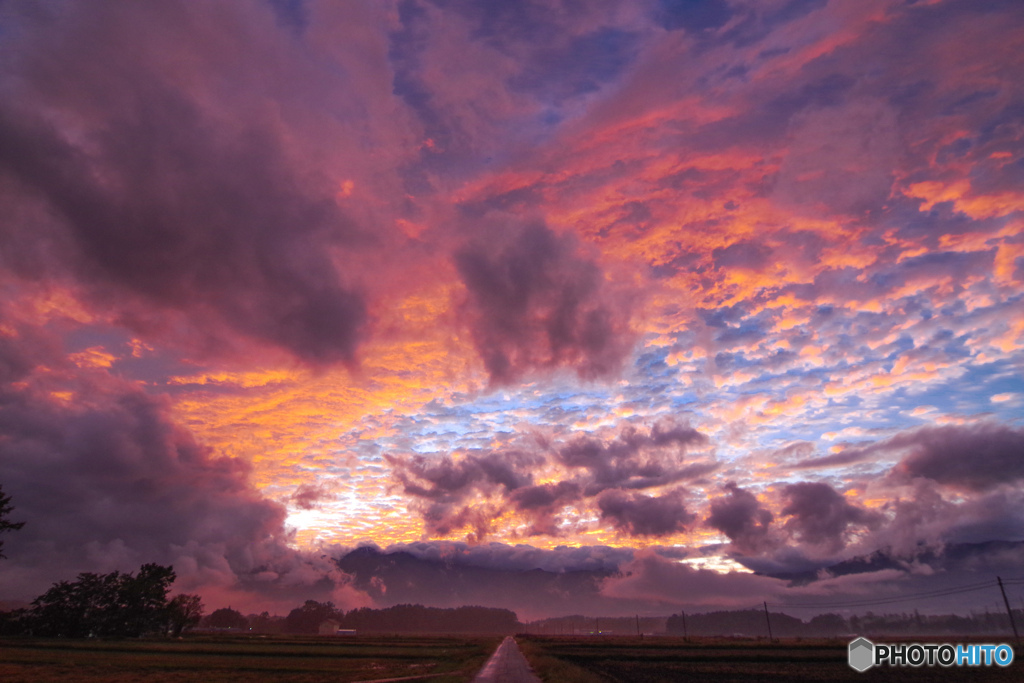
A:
x: 938, y: 593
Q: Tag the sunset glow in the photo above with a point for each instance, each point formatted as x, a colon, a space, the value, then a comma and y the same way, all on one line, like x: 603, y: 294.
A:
x: 657, y: 288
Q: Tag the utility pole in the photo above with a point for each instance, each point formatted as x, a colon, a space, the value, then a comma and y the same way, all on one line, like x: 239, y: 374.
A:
x: 685, y: 635
x: 638, y: 626
x: 1009, y: 612
x: 768, y: 619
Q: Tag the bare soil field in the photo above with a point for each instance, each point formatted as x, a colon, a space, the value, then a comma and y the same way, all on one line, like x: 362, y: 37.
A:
x: 218, y: 658
x: 577, y: 659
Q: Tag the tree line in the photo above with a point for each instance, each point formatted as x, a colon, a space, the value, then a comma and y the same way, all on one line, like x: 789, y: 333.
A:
x: 323, y: 617
x: 122, y: 605
x: 114, y: 605
x: 753, y: 623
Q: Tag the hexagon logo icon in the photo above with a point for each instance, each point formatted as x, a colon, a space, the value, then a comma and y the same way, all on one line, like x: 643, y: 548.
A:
x: 862, y: 654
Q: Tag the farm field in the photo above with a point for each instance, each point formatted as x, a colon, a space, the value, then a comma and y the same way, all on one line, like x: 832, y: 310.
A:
x: 245, y: 658
x: 606, y: 659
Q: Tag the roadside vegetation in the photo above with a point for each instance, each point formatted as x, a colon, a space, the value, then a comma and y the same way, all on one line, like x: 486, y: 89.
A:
x: 585, y: 659
x: 217, y: 657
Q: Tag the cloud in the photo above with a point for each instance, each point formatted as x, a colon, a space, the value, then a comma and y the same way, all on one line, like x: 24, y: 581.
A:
x: 442, y: 487
x: 519, y: 557
x: 174, y: 203
x: 105, y: 479
x: 844, y: 457
x: 922, y: 518
x: 692, y: 15
x: 529, y: 581
x: 842, y: 155
x: 476, y: 489
x: 308, y: 496
x: 655, y: 579
x: 541, y: 503
x: 546, y: 495
x: 740, y: 517
x: 749, y: 255
x: 535, y: 302
x: 977, y: 457
x: 641, y: 515
x: 820, y: 516
x: 783, y: 223
x: 441, y: 478
x: 189, y: 222
x: 636, y: 460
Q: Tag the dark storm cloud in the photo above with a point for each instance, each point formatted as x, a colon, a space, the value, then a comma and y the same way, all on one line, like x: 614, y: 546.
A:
x: 821, y: 516
x: 977, y: 457
x: 635, y: 460
x: 740, y: 517
x: 541, y: 504
x: 518, y: 558
x: 470, y: 492
x: 641, y: 515
x: 922, y: 518
x: 129, y: 475
x: 107, y: 480
x: 546, y: 495
x: 530, y: 581
x: 442, y: 488
x: 446, y: 479
x: 537, y: 303
x: 159, y: 202
x: 445, y: 518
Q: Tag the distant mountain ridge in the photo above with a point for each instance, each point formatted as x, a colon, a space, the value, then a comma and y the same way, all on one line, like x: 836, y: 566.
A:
x: 950, y: 557
x: 400, y: 577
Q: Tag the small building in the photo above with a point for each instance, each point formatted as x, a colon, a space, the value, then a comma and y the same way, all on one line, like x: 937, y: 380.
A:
x: 331, y: 627
x: 328, y: 627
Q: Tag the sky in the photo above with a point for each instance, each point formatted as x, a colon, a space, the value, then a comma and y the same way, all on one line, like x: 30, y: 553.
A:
x: 689, y: 294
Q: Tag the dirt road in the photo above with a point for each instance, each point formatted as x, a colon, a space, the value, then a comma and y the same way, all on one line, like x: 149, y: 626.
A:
x: 507, y: 665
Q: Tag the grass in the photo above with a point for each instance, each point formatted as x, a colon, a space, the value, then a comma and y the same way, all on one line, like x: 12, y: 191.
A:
x: 245, y: 658
x: 609, y: 659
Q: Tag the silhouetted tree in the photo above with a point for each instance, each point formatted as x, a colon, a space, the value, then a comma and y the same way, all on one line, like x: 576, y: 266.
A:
x: 184, y: 612
x: 225, y: 617
x: 827, y: 626
x: 264, y: 623
x: 6, y: 525
x: 307, y: 619
x: 112, y: 604
x: 417, y: 618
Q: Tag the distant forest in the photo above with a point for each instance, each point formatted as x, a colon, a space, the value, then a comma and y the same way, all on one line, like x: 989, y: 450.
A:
x: 322, y: 617
x: 753, y: 622
x: 122, y: 605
